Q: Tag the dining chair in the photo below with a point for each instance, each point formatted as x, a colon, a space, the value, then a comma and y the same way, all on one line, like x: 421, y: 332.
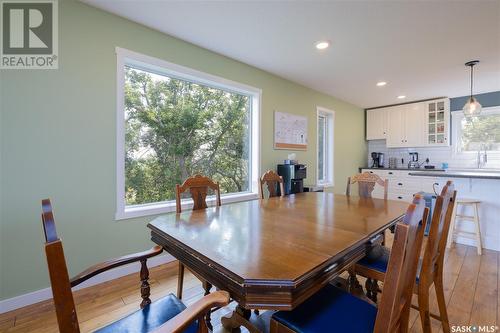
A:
x: 198, y: 187
x: 366, y: 184
x: 335, y: 310
x: 271, y: 179
x: 430, y: 268
x: 168, y: 314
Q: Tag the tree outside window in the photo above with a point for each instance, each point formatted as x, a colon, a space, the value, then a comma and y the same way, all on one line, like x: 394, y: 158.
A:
x: 176, y: 128
x: 481, y: 133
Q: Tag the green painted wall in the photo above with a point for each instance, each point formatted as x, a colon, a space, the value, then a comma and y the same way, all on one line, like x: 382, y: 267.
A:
x: 58, y: 141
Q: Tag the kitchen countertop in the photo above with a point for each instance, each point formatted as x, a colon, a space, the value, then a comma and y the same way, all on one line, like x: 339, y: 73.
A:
x: 402, y: 169
x: 459, y: 174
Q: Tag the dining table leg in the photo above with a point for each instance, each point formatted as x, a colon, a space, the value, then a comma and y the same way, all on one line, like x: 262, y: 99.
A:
x: 239, y: 317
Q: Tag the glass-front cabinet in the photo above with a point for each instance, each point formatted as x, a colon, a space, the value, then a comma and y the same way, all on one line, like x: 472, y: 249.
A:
x: 437, y: 120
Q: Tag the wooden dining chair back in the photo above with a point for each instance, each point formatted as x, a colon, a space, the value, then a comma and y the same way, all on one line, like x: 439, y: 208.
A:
x: 366, y: 184
x: 394, y: 308
x: 271, y: 179
x: 438, y: 233
x: 431, y: 271
x: 198, y: 187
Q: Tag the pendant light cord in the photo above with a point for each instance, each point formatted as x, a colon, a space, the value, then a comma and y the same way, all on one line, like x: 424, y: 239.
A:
x: 471, y: 79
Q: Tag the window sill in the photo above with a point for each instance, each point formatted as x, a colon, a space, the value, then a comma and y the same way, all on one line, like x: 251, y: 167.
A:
x: 169, y: 206
x: 325, y: 184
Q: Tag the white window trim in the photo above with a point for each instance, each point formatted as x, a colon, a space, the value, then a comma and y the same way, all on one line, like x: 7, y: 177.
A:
x: 457, y: 117
x: 330, y: 114
x: 123, y: 57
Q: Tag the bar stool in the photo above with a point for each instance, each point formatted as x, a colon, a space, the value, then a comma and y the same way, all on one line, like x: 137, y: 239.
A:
x: 476, y: 235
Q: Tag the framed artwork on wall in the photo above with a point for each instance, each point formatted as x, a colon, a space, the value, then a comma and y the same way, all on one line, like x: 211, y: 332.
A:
x: 290, y: 131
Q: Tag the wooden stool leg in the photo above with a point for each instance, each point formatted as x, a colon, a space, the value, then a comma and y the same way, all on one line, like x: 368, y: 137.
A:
x: 180, y: 280
x: 478, y: 230
x: 439, y: 287
x: 423, y: 308
x: 452, y: 226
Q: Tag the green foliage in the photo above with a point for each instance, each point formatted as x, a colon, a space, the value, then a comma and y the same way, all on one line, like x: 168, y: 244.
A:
x: 175, y: 129
x: 481, y: 131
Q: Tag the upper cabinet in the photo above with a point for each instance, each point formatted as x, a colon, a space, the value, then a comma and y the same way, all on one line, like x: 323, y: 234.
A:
x: 437, y: 122
x: 376, y: 124
x: 405, y: 126
x: 410, y: 125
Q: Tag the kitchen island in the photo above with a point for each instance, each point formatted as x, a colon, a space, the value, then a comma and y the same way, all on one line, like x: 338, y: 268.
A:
x: 478, y: 184
x: 476, y: 174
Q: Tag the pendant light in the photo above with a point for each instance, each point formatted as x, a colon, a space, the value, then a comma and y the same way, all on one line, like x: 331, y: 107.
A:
x: 472, y: 107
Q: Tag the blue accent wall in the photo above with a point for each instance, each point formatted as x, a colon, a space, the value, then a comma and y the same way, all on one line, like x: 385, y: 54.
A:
x: 486, y: 100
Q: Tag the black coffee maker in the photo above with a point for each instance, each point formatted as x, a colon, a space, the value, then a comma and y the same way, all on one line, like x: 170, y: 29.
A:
x: 377, y: 160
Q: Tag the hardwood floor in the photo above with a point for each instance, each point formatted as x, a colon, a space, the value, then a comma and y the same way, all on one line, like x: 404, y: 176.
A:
x: 471, y: 291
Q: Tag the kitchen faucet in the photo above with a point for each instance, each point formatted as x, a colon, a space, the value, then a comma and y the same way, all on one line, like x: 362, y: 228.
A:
x: 482, y: 158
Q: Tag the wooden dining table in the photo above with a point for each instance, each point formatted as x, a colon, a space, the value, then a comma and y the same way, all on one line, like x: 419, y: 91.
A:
x: 277, y: 252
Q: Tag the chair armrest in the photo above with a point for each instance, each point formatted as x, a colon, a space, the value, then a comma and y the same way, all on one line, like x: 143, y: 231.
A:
x: 113, y: 263
x: 194, y: 311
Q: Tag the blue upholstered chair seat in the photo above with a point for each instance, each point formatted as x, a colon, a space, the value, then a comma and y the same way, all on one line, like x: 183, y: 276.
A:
x: 381, y: 263
x: 330, y: 310
x: 150, y: 318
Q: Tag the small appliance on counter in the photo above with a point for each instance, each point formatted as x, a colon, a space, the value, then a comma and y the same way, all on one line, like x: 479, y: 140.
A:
x: 393, y: 162
x: 413, y: 163
x: 377, y: 160
x: 293, y: 177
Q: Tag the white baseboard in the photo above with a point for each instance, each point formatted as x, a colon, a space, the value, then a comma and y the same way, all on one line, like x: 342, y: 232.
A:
x: 20, y: 301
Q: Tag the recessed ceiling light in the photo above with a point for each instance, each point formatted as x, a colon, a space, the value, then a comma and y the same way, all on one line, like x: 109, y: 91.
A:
x: 321, y: 45
x: 401, y: 96
x: 381, y: 83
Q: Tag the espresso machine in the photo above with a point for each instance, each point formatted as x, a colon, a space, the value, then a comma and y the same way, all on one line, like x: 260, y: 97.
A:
x: 377, y: 160
x: 293, y: 177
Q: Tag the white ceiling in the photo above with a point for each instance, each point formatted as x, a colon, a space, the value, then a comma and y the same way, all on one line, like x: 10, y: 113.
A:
x: 418, y: 47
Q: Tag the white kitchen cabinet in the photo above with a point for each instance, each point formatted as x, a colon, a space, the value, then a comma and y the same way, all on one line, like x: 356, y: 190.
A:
x: 414, y: 125
x: 395, y: 127
x: 437, y: 122
x: 402, y: 186
x: 410, y: 125
x: 405, y: 126
x: 376, y: 124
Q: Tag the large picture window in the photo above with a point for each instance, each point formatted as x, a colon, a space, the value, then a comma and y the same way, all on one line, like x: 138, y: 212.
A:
x: 176, y: 123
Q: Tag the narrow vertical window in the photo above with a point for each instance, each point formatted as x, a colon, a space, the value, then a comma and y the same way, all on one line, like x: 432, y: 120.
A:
x: 325, y: 146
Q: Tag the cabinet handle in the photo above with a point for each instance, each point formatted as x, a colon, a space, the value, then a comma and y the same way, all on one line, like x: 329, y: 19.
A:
x: 400, y: 184
x: 390, y: 173
x: 400, y: 197
x: 371, y: 171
